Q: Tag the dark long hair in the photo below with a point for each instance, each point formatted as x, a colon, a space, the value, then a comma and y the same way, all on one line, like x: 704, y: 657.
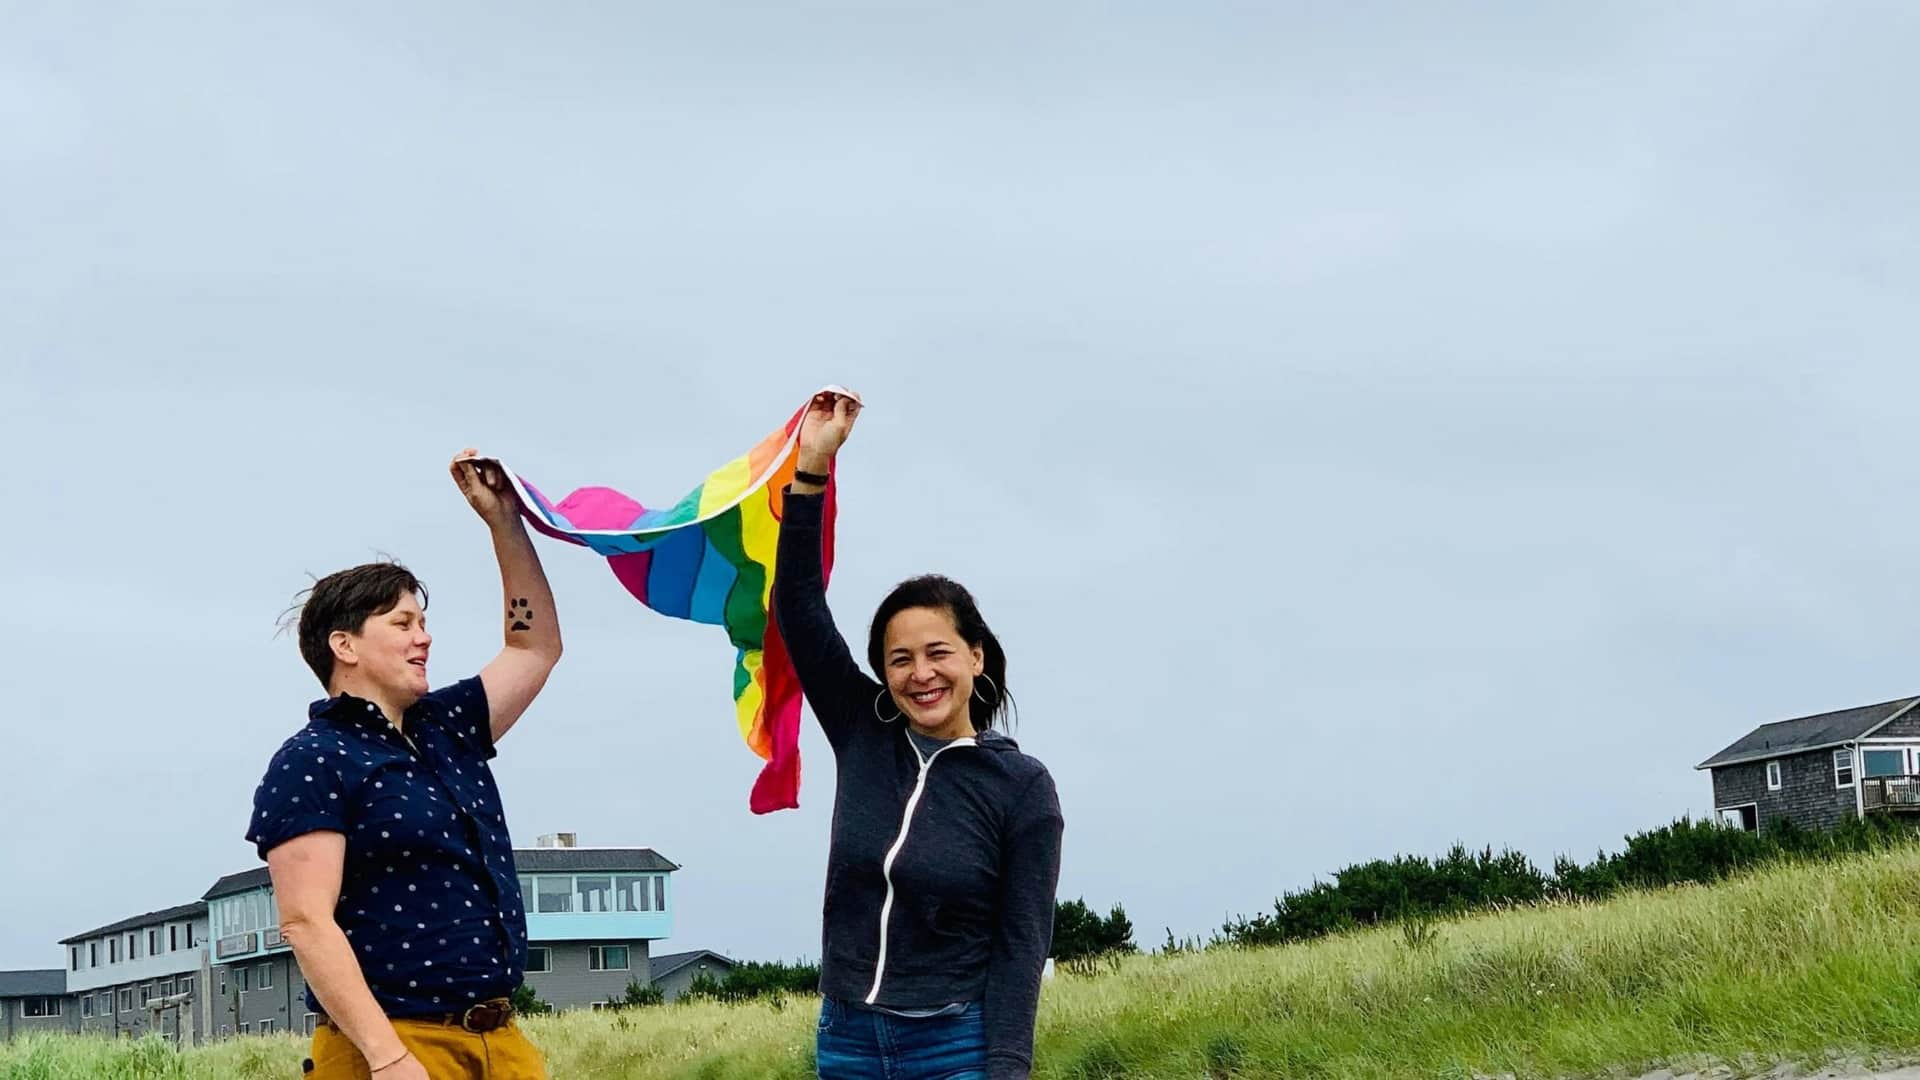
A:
x: 989, y: 704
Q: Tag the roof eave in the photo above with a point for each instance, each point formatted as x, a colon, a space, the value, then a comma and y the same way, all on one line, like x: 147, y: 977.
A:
x: 1714, y: 763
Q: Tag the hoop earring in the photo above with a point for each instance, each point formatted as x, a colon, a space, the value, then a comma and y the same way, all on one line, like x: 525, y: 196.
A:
x: 990, y: 682
x: 876, y: 708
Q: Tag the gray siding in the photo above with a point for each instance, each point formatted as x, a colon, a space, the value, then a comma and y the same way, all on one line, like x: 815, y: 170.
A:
x: 15, y: 1021
x: 1907, y: 727
x: 676, y: 983
x: 111, y: 1020
x: 1806, y: 797
x: 284, y: 1002
x: 570, y: 985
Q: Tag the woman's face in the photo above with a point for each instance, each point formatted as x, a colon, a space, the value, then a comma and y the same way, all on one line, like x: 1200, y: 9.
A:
x: 930, y: 671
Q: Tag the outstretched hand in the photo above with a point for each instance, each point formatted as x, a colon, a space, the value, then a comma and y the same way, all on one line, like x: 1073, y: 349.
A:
x: 484, y: 483
x: 825, y: 427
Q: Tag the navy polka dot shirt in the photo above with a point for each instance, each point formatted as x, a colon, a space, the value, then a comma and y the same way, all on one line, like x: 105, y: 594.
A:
x: 428, y: 896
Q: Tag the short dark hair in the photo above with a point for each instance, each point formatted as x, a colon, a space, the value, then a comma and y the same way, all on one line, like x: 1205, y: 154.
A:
x: 988, y: 704
x: 345, y: 600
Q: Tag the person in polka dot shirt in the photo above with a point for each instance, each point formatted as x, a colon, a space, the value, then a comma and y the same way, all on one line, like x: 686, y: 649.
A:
x: 384, y: 832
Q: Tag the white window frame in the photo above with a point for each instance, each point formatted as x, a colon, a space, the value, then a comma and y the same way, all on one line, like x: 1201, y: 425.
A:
x: 183, y: 985
x: 126, y: 999
x: 266, y: 1027
x: 309, y: 1022
x: 1775, y: 775
x: 1720, y: 812
x: 1843, y: 762
x: 49, y: 1008
x: 86, y: 1006
x: 597, y: 958
x: 263, y: 980
x: 544, y: 951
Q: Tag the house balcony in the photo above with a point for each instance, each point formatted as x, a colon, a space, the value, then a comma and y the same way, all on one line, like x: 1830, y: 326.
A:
x: 1890, y: 794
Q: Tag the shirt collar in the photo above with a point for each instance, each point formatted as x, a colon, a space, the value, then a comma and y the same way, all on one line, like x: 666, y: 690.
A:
x: 346, y: 709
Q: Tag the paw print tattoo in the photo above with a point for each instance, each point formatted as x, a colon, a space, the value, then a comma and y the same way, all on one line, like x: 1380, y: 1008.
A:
x: 520, y: 614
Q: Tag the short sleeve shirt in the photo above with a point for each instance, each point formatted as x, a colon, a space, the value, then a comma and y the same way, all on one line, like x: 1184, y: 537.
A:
x: 428, y: 895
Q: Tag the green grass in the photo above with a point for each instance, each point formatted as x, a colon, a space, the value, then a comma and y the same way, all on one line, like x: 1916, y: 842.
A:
x: 1795, y: 964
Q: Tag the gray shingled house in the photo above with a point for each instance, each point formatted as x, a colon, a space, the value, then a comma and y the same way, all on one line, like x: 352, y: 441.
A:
x: 674, y: 973
x: 1817, y: 771
x: 36, y: 1001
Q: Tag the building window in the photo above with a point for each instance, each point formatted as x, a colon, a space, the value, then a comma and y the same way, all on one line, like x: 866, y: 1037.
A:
x: 553, y: 894
x: 106, y: 1003
x: 1773, y: 776
x: 265, y: 981
x: 240, y: 979
x: 1843, y: 768
x: 86, y: 1007
x: 40, y: 1006
x: 93, y: 954
x: 165, y: 989
x: 1883, y: 763
x: 189, y: 935
x: 146, y: 994
x: 607, y: 958
x: 113, y: 950
x: 596, y: 893
x: 126, y: 999
x: 153, y: 942
x: 73, y: 958
x: 173, y: 938
x: 184, y: 986
x: 539, y: 960
x: 1746, y: 818
x: 659, y: 892
x: 133, y: 946
x: 266, y: 1026
x: 307, y: 1024
x: 633, y: 892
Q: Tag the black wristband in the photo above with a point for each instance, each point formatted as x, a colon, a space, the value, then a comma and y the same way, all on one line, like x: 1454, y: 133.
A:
x: 811, y: 477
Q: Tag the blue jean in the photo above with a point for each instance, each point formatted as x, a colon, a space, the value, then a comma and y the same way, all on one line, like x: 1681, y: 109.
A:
x: 860, y: 1044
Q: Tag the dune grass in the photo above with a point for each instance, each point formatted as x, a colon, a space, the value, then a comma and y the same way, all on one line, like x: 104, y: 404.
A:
x: 1797, y: 963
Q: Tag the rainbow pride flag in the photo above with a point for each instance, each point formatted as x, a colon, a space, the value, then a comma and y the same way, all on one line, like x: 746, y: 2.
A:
x: 710, y: 558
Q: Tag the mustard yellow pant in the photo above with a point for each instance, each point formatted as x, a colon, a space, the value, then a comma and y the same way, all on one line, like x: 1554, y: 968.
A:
x: 448, y: 1052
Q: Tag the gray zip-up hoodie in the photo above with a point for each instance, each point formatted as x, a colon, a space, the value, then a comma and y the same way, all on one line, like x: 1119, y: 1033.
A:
x: 942, y: 869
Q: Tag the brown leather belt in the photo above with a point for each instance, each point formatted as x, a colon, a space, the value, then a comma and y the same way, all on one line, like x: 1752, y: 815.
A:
x: 479, y: 1019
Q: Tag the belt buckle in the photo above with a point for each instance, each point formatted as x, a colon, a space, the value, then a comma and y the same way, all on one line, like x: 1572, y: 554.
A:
x: 466, y: 1019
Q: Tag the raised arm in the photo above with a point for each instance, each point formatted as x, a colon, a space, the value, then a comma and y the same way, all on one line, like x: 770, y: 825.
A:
x: 1023, y: 934
x: 306, y: 873
x: 532, y: 626
x: 834, y: 684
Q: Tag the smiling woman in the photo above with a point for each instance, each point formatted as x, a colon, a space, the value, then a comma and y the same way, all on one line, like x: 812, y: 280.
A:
x: 946, y: 837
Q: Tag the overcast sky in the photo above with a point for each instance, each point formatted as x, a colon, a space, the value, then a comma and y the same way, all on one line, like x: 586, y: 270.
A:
x: 1368, y: 426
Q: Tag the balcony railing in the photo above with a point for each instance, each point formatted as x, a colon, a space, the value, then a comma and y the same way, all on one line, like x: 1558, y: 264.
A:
x: 1892, y: 794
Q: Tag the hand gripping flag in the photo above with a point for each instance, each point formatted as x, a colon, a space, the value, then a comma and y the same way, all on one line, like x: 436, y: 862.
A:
x: 710, y: 558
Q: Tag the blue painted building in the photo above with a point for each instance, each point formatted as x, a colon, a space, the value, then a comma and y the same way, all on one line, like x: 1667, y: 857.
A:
x: 593, y: 915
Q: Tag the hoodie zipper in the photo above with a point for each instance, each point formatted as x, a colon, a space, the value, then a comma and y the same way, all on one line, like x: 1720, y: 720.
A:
x: 886, y: 867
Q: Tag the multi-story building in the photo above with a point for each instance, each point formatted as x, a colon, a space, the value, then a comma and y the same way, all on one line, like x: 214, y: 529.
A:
x: 139, y: 975
x: 218, y: 966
